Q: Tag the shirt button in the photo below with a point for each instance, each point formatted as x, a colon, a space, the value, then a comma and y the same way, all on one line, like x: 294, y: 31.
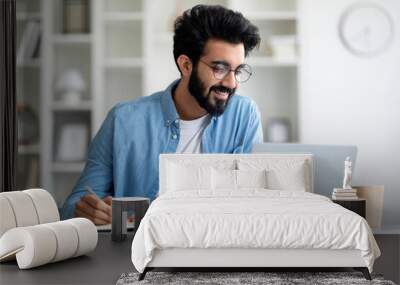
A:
x: 174, y: 137
x: 176, y: 121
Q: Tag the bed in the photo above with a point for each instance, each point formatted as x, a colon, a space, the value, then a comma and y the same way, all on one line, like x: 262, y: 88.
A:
x: 247, y: 211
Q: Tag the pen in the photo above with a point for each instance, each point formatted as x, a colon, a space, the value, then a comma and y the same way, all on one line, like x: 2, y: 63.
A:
x: 90, y: 190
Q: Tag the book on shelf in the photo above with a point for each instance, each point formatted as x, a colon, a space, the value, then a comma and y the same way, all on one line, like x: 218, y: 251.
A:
x: 341, y: 190
x: 29, y: 45
x: 76, y: 16
x: 349, y: 196
x: 33, y: 174
x: 334, y: 197
x: 345, y: 194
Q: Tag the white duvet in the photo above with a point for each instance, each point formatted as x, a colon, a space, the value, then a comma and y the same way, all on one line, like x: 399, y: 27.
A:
x: 251, y: 218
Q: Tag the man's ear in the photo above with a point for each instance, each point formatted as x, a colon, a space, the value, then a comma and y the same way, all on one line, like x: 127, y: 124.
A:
x: 185, y: 65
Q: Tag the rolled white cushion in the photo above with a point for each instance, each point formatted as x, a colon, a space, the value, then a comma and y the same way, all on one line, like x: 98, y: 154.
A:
x: 66, y: 238
x: 46, y: 207
x: 40, y: 244
x: 87, y: 235
x: 23, y: 208
x: 7, y: 218
x: 33, y: 246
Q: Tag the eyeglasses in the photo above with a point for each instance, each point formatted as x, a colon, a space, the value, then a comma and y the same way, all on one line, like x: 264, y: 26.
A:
x: 242, y: 72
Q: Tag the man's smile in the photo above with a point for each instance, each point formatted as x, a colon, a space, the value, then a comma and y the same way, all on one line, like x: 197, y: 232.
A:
x: 221, y: 95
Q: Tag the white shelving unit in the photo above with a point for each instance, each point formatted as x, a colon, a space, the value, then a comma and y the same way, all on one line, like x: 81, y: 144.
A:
x: 70, y: 167
x: 260, y: 61
x: 272, y: 15
x: 274, y: 82
x: 62, y: 52
x: 83, y: 106
x: 25, y: 16
x: 28, y: 94
x: 111, y: 60
x: 30, y: 63
x: 127, y: 62
x: 123, y: 16
x: 69, y: 39
x: 119, y: 64
x: 32, y: 149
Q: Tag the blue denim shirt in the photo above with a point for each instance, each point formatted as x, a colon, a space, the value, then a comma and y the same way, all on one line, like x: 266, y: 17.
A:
x: 123, y: 156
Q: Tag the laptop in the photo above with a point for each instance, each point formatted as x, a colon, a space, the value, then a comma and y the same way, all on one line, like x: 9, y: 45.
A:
x: 328, y: 161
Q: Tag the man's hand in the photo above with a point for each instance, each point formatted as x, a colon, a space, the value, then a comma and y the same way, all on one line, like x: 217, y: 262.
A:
x: 95, y: 209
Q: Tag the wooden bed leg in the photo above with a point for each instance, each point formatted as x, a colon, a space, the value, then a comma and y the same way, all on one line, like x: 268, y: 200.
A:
x: 364, y: 271
x: 143, y: 274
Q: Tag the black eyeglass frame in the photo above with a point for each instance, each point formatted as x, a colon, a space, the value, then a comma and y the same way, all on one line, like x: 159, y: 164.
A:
x: 243, y: 67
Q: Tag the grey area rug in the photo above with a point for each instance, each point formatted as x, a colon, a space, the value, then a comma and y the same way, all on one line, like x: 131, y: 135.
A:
x: 228, y: 278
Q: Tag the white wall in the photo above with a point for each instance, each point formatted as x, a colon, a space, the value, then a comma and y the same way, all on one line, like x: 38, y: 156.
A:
x: 346, y: 99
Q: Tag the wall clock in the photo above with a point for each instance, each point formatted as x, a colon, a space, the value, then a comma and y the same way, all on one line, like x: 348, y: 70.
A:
x: 366, y: 29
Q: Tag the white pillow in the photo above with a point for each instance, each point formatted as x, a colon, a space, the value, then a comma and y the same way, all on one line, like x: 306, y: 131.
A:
x: 236, y: 179
x: 251, y: 178
x: 287, y: 179
x: 282, y: 174
x: 223, y: 179
x: 181, y: 177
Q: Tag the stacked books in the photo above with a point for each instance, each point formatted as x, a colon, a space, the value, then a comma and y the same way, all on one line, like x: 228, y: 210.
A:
x: 29, y: 47
x: 344, y: 194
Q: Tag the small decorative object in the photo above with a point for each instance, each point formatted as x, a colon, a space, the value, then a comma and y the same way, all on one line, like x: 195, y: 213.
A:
x: 347, y: 192
x: 71, y: 86
x: 278, y: 130
x: 347, y: 173
x: 120, y: 208
x: 29, y: 46
x: 73, y: 141
x: 27, y: 120
x: 76, y: 16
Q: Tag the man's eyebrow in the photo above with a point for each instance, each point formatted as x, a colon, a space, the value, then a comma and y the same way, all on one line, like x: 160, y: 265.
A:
x: 226, y: 64
x: 221, y: 62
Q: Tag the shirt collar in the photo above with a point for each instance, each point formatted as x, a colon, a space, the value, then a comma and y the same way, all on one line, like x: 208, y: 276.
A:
x: 168, y: 105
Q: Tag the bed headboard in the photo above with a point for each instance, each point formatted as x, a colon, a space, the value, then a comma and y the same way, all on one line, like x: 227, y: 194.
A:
x: 235, y: 161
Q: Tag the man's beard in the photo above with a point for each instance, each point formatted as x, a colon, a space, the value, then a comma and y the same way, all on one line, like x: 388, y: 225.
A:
x: 198, y: 90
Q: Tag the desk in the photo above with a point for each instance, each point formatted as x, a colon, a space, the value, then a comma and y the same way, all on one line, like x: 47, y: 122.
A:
x: 110, y: 259
x: 388, y: 239
x: 102, y: 266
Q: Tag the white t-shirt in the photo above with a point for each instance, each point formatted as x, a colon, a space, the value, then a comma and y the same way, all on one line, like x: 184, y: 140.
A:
x: 191, y: 133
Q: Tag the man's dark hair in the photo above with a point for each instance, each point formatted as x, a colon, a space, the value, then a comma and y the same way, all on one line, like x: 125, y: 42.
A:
x: 203, y: 22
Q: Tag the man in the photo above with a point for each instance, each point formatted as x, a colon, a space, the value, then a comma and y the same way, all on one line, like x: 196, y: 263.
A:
x: 200, y: 113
